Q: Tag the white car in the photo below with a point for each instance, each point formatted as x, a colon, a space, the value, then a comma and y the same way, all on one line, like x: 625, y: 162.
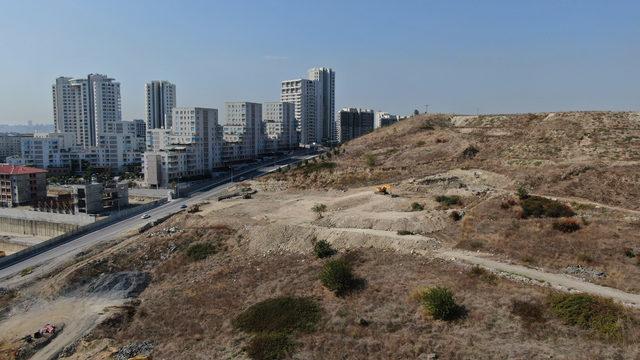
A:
x: 146, y: 216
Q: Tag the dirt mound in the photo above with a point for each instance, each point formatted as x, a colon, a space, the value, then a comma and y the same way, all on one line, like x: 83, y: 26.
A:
x: 595, y: 155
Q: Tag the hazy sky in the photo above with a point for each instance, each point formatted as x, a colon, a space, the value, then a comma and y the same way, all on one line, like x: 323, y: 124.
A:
x: 457, y: 56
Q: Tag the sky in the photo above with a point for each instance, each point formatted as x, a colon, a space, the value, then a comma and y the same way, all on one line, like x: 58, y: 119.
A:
x: 458, y: 56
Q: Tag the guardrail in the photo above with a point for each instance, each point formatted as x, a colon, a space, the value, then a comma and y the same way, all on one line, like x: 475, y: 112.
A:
x: 67, y: 237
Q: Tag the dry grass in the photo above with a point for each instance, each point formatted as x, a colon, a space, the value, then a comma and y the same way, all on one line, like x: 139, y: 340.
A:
x: 201, y: 308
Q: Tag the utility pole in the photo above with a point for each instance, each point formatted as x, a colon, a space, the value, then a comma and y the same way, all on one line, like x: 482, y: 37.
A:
x: 426, y: 109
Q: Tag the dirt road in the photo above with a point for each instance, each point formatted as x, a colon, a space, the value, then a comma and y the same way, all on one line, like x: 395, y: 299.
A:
x: 559, y: 281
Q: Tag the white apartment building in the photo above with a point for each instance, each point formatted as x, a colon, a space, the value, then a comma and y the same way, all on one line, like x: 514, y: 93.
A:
x: 280, y: 126
x: 325, y: 79
x: 85, y: 106
x: 160, y: 99
x: 382, y: 119
x: 191, y: 148
x: 243, y: 131
x: 302, y: 93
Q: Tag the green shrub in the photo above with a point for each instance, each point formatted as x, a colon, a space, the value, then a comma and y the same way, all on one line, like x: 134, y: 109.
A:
x: 455, y: 216
x: 270, y: 346
x: 522, y: 192
x: 566, y: 225
x: 26, y: 271
x: 279, y: 315
x: 536, y: 206
x: 440, y: 304
x: 200, y: 251
x: 323, y: 249
x: 470, y: 152
x: 416, y: 207
x: 319, y: 209
x: 628, y: 252
x: 370, y: 160
x: 338, y: 277
x: 449, y: 200
x: 404, y: 232
x: 600, y: 315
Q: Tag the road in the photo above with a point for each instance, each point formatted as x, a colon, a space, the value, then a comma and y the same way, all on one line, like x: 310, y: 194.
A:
x: 47, y: 261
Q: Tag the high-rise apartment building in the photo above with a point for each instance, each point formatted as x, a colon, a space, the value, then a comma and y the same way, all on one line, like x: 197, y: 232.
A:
x: 85, y: 106
x: 191, y: 148
x: 354, y: 123
x: 243, y: 131
x: 280, y: 126
x: 160, y: 99
x: 302, y: 93
x: 325, y: 79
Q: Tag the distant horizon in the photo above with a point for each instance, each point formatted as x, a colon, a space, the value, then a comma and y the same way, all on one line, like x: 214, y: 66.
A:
x: 497, y: 56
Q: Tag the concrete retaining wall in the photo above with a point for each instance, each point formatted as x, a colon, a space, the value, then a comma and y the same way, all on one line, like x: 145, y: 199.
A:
x: 34, y: 227
x: 76, y: 219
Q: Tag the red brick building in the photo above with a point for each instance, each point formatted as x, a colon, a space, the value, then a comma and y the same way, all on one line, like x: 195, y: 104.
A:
x: 21, y: 185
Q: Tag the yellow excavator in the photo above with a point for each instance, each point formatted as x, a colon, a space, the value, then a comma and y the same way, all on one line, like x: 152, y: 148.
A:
x: 383, y: 189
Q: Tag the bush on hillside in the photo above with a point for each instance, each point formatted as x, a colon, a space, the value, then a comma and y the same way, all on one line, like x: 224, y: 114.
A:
x: 449, y: 200
x: 337, y: 276
x: 440, y: 304
x: 281, y: 314
x: 537, y: 206
x: 200, y: 251
x: 470, y: 152
x: 323, y: 249
x: 370, y: 160
x: 600, y: 315
x: 566, y: 225
x: 416, y: 207
x: 270, y: 346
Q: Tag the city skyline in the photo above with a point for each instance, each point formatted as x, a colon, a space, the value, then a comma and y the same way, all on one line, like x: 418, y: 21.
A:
x: 459, y: 56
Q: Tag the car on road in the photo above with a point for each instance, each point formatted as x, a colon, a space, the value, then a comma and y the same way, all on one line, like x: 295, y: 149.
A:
x: 145, y: 216
x: 183, y: 206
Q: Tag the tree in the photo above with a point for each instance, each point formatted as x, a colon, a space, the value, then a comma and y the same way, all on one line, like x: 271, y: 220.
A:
x: 319, y: 209
x: 416, y: 112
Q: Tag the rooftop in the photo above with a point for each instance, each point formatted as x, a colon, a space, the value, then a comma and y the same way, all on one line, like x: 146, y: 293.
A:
x: 6, y: 169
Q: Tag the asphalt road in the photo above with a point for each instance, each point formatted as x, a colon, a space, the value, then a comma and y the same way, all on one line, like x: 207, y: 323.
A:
x: 43, y: 263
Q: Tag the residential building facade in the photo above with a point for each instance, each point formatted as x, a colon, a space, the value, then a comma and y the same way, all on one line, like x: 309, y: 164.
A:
x: 160, y: 99
x: 21, y: 185
x: 324, y: 79
x: 243, y: 131
x: 280, y: 126
x: 85, y: 106
x: 354, y: 123
x: 302, y: 93
x: 382, y: 119
x: 191, y: 148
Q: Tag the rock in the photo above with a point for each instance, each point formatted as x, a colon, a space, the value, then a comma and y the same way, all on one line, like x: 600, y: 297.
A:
x: 123, y: 284
x: 132, y: 350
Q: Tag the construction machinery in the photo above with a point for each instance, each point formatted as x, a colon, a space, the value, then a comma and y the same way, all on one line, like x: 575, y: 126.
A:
x: 383, y: 189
